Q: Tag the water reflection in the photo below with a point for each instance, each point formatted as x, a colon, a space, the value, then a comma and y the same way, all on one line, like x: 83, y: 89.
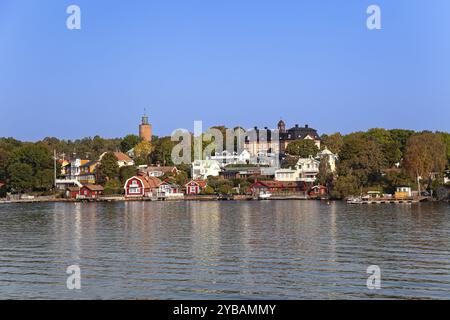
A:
x: 272, y: 249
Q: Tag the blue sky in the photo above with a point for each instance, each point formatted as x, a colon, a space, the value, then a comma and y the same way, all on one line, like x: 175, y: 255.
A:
x: 228, y: 62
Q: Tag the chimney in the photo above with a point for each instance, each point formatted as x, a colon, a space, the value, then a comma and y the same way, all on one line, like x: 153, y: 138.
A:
x: 306, y: 126
x: 296, y: 125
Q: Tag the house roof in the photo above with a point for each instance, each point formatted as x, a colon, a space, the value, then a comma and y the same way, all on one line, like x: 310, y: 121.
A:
x: 164, y: 169
x: 200, y: 183
x: 73, y: 188
x: 297, y: 133
x: 149, y: 182
x: 122, y: 157
x: 94, y: 187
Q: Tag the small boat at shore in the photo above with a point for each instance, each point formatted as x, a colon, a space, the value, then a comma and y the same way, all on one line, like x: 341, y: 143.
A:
x: 264, y: 195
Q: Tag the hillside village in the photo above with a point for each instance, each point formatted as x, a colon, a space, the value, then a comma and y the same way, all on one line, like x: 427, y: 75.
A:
x: 297, y: 164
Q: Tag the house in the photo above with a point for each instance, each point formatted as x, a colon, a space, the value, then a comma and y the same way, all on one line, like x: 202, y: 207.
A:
x: 330, y: 156
x: 87, y: 172
x: 72, y: 192
x: 73, y: 170
x: 296, y: 133
x: 226, y: 158
x: 159, y: 171
x: 305, y: 170
x: 263, y: 145
x: 169, y: 190
x: 277, y: 186
x: 403, y: 192
x: 195, y: 186
x: 318, y: 191
x: 90, y: 191
x: 202, y: 169
x: 122, y: 159
x: 141, y: 185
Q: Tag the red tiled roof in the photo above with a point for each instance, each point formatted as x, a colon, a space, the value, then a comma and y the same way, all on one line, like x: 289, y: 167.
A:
x: 122, y: 156
x: 149, y: 182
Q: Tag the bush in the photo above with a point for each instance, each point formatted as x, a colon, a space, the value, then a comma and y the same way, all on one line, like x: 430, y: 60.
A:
x: 113, y: 187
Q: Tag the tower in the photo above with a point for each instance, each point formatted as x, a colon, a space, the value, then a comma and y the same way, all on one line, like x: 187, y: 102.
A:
x: 145, y: 129
x: 282, y: 126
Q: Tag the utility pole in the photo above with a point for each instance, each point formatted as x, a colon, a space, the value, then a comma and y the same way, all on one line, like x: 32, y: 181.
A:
x: 54, y: 167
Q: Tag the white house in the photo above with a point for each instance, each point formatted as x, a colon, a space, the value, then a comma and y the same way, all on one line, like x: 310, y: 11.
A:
x: 305, y: 170
x: 225, y: 158
x: 332, y: 158
x: 169, y: 190
x: 202, y: 169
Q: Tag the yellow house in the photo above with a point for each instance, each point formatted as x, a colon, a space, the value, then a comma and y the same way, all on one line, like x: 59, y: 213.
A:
x: 403, y: 192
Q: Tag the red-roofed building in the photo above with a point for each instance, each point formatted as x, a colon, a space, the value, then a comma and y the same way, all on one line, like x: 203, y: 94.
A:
x: 195, y: 186
x: 91, y: 191
x: 141, y: 186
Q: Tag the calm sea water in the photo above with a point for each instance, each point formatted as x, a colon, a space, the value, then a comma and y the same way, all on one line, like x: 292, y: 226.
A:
x: 226, y: 250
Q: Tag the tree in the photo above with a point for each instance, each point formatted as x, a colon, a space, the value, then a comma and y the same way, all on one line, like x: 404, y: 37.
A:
x: 303, y: 148
x: 112, y: 186
x: 361, y: 157
x: 143, y: 150
x: 181, y: 178
x: 333, y: 142
x: 162, y: 153
x: 325, y: 176
x: 108, y: 168
x: 425, y: 153
x: 126, y: 173
x: 401, y: 137
x: 4, y: 156
x: 345, y: 186
x: 20, y: 177
x: 44, y: 180
x: 129, y: 142
x: 389, y: 147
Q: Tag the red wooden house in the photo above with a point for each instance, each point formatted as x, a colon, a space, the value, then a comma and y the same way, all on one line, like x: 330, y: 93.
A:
x: 318, y: 191
x: 141, y: 186
x: 72, y: 192
x: 195, y: 186
x: 91, y: 191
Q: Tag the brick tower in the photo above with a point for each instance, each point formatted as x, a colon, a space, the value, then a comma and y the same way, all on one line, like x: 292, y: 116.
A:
x: 145, y: 129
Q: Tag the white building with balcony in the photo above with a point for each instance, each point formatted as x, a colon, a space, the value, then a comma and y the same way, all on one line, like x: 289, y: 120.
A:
x: 202, y: 169
x: 225, y: 158
x: 306, y: 170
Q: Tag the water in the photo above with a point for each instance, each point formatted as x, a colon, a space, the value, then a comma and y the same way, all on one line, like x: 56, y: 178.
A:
x: 224, y: 250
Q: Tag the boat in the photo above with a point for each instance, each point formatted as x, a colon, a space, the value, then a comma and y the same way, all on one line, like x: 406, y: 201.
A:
x: 264, y: 195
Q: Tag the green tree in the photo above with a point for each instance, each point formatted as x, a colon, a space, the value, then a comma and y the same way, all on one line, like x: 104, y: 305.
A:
x: 113, y: 186
x: 425, y: 153
x: 20, y: 177
x: 143, y: 150
x: 44, y: 180
x: 303, y: 148
x: 126, y: 173
x: 325, y: 176
x: 129, y: 142
x: 108, y: 169
x: 361, y: 157
x: 345, y: 186
x: 333, y: 142
x: 389, y: 147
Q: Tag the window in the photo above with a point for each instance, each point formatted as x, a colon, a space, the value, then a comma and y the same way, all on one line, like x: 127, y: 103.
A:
x: 134, y: 188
